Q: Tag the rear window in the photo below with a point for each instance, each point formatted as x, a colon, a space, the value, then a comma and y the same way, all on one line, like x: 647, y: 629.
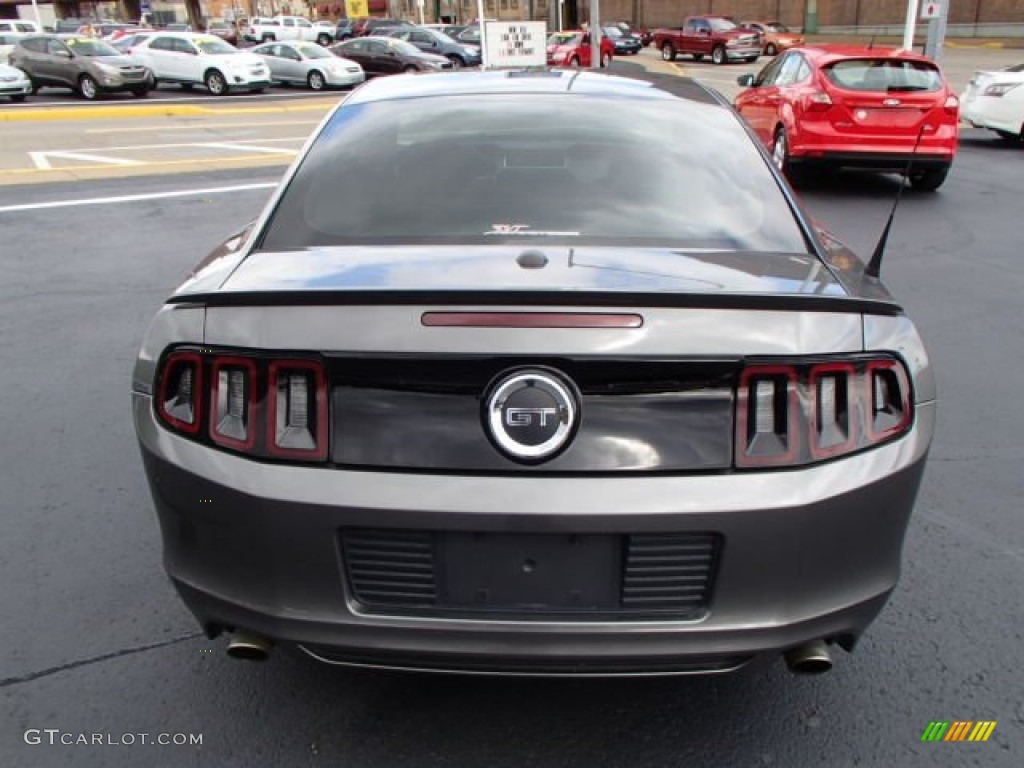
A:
x: 573, y: 169
x: 884, y: 75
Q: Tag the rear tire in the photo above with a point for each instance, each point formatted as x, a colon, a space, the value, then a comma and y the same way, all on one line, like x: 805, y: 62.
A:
x: 928, y: 181
x: 140, y: 93
x: 718, y: 56
x: 409, y: 69
x: 316, y: 81
x: 323, y: 39
x: 457, y: 62
x: 782, y: 159
x: 668, y: 52
x: 770, y: 49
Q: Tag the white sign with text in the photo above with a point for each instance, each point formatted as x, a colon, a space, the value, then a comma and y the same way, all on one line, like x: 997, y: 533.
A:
x: 516, y: 44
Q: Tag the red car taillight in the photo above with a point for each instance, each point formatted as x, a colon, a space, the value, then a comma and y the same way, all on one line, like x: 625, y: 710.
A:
x: 818, y: 101
x: 258, y: 405
x: 801, y: 413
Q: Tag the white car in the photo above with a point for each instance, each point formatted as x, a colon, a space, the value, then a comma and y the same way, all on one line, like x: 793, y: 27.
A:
x: 14, y: 83
x: 995, y: 100
x: 324, y: 31
x: 19, y: 27
x: 191, y: 59
x: 262, y: 30
x: 309, y: 64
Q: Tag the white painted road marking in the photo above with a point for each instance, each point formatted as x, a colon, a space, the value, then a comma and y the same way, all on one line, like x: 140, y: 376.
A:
x: 200, y: 126
x: 43, y: 159
x: 136, y: 198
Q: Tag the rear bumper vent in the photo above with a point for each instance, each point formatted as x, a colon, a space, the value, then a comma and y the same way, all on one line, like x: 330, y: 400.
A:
x: 402, y: 572
x: 669, y: 571
x: 391, y: 568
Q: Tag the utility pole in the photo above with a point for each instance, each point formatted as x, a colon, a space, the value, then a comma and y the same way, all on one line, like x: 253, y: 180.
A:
x: 811, y: 18
x: 910, y: 26
x: 595, y: 34
x: 937, y: 32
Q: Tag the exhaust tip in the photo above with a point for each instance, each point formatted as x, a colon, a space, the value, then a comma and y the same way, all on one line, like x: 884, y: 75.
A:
x: 249, y: 647
x: 809, y: 659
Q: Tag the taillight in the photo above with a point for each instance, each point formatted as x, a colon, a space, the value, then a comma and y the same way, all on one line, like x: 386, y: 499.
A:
x: 952, y: 104
x: 179, y: 398
x: 233, y: 402
x: 297, y: 413
x: 818, y: 101
x: 792, y: 414
x: 259, y: 405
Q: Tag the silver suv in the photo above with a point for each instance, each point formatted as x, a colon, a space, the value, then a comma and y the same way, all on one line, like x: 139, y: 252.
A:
x: 86, y: 65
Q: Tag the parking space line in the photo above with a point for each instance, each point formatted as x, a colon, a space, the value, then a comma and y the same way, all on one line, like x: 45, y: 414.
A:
x: 88, y: 158
x: 136, y: 198
x: 40, y: 161
x: 240, y: 147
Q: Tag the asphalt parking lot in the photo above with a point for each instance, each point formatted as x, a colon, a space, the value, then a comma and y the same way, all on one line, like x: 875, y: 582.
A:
x: 95, y: 642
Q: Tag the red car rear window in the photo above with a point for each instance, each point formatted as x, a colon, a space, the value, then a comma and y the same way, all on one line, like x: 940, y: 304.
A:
x: 884, y: 75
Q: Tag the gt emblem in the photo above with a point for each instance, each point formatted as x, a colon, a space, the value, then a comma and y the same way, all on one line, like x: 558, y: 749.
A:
x: 891, y: 102
x: 531, y: 414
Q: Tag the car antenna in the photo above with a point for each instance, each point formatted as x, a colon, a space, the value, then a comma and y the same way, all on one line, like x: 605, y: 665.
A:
x: 871, y: 42
x: 874, y: 266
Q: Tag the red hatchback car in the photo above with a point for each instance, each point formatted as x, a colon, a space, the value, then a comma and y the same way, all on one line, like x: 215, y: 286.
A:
x: 571, y: 48
x: 857, y: 107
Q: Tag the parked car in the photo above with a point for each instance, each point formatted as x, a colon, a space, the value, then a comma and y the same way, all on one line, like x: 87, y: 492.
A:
x: 432, y: 41
x: 310, y: 64
x: 719, y: 37
x: 325, y: 30
x: 127, y: 43
x: 545, y: 374
x: 854, y: 106
x: 14, y: 83
x: 190, y: 59
x: 86, y: 65
x: 372, y: 26
x: 262, y: 29
x: 223, y: 29
x: 345, y: 30
x: 625, y: 45
x: 389, y: 56
x: 7, y: 42
x: 995, y: 100
x: 776, y: 36
x: 18, y: 27
x: 470, y: 35
x: 643, y: 34
x: 571, y: 48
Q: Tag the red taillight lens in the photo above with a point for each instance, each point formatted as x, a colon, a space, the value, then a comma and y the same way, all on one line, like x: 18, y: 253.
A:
x: 818, y: 101
x: 233, y: 402
x: 297, y: 412
x: 794, y: 414
x: 256, y: 404
x: 951, y: 105
x: 179, y: 398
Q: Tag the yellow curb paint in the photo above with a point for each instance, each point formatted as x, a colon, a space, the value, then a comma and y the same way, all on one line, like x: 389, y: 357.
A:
x: 150, y: 110
x: 679, y: 68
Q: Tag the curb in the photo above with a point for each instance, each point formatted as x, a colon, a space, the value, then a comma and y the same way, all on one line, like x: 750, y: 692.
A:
x: 42, y: 114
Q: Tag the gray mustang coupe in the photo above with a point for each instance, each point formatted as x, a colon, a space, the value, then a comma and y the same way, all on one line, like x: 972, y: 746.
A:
x: 466, y: 397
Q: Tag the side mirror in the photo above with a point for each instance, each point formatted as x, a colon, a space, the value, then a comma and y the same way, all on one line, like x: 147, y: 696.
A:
x: 64, y: 54
x: 745, y: 80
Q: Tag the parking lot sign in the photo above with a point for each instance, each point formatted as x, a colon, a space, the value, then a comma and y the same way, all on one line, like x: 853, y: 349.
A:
x: 930, y: 10
x: 516, y: 44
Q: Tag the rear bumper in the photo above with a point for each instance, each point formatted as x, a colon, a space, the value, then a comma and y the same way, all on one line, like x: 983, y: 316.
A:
x: 807, y: 554
x: 878, y: 161
x: 744, y: 52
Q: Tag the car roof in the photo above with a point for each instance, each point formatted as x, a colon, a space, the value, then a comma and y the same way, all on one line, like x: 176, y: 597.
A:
x: 469, y: 83
x: 829, y: 52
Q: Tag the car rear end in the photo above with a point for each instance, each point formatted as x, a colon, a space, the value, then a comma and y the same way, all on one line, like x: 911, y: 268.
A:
x: 479, y: 431
x: 877, y: 110
x: 995, y: 100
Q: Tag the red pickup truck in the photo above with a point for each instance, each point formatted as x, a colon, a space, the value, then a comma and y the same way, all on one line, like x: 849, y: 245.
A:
x: 719, y: 37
